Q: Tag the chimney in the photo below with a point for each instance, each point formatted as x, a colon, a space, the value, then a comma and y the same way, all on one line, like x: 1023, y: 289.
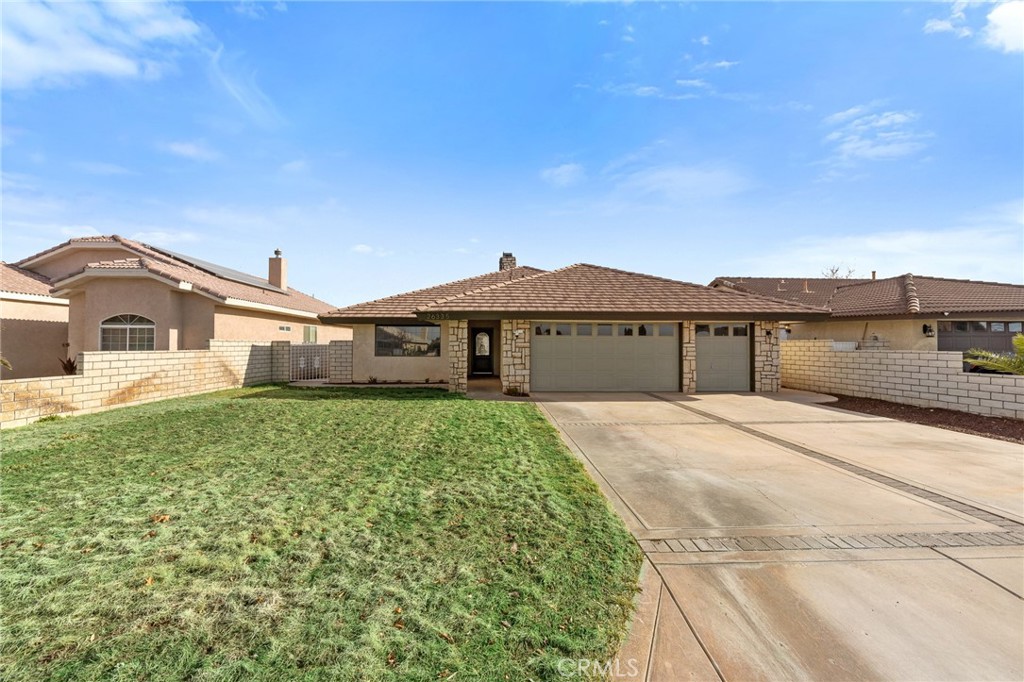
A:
x: 507, y: 261
x: 873, y: 273
x: 806, y: 290
x: 278, y: 276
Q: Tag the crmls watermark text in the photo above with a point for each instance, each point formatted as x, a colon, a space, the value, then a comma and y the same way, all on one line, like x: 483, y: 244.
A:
x: 614, y: 668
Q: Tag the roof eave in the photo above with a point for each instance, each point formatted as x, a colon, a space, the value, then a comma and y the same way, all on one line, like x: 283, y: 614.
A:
x: 637, y: 316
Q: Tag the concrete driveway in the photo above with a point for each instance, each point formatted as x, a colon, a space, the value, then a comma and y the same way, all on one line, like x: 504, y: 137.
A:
x: 789, y: 540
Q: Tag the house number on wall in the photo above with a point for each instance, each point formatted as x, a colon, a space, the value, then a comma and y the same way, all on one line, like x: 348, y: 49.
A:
x: 436, y: 316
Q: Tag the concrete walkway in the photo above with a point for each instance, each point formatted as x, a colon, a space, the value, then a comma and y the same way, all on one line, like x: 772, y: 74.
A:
x: 790, y: 540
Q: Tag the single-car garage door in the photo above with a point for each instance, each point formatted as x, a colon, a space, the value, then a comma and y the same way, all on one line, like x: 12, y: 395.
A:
x: 723, y: 356
x: 604, y: 356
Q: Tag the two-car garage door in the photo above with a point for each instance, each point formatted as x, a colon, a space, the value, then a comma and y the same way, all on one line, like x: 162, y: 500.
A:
x: 585, y: 356
x: 635, y: 356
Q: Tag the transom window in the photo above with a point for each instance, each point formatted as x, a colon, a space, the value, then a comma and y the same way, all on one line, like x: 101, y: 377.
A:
x: 127, y: 332
x: 415, y: 341
x: 646, y: 329
x: 726, y: 329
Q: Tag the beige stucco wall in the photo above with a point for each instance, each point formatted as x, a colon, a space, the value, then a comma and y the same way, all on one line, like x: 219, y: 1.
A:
x: 73, y: 261
x: 104, y: 298
x: 251, y: 325
x: 901, y: 334
x: 366, y: 364
x: 31, y: 338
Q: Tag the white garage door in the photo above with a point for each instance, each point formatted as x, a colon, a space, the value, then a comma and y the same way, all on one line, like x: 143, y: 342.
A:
x: 723, y: 356
x: 604, y: 356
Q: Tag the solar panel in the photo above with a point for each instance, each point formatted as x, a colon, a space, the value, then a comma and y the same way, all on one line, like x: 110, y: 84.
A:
x: 220, y: 270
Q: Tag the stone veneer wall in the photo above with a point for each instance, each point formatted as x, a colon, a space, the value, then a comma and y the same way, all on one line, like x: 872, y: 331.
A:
x: 688, y: 361
x: 339, y: 362
x: 106, y: 380
x: 767, y: 358
x: 515, y: 357
x: 922, y: 378
x: 458, y: 356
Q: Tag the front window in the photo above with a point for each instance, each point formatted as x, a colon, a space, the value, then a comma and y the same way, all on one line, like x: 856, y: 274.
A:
x: 408, y: 341
x: 309, y: 333
x: 127, y: 332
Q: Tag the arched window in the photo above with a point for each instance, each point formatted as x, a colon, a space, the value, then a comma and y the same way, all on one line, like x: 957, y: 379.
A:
x: 127, y: 332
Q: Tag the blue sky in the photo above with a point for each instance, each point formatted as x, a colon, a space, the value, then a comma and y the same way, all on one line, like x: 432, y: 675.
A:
x: 390, y: 146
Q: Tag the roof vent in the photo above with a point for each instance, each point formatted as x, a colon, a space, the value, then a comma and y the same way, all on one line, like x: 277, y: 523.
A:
x: 506, y: 262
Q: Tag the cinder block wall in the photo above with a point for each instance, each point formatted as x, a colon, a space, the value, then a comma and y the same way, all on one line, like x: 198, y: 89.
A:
x: 922, y: 378
x: 108, y: 380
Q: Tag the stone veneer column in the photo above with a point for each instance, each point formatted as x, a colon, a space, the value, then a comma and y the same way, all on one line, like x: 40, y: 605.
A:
x: 458, y: 356
x: 515, y: 357
x: 767, y: 371
x: 688, y: 361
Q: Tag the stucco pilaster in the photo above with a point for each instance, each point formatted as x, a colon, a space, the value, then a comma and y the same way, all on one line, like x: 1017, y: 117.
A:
x: 515, y: 357
x: 458, y: 356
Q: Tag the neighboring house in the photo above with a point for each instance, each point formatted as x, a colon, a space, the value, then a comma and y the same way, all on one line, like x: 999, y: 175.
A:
x: 33, y: 324
x: 582, y: 327
x: 125, y: 295
x: 908, y: 312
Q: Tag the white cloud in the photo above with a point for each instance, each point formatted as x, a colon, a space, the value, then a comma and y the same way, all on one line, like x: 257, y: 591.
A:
x: 693, y: 83
x: 638, y: 90
x: 225, y: 71
x: 257, y: 9
x: 984, y: 246
x: 296, y: 166
x: 564, y: 175
x: 368, y: 250
x: 721, y: 64
x: 704, y: 40
x: 859, y: 136
x: 1005, y: 28
x: 164, y: 237
x: 682, y: 183
x: 196, y: 151
x: 101, y: 168
x: 62, y: 43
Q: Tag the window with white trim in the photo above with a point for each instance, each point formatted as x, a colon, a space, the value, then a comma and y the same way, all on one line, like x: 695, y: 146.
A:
x: 127, y: 332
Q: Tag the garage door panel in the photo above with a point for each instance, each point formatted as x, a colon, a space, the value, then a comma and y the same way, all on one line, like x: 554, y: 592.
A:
x: 723, y: 362
x: 605, y: 363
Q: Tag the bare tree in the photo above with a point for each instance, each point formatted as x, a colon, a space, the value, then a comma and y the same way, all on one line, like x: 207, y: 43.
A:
x: 838, y: 272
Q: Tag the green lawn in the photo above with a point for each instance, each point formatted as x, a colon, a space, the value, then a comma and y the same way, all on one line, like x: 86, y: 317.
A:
x: 282, y: 534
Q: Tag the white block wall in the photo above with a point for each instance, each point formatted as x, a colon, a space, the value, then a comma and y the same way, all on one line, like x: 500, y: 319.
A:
x: 922, y: 378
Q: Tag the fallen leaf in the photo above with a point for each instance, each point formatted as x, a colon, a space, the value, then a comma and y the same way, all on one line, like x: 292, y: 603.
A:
x: 160, y: 518
x: 149, y: 580
x: 392, y: 659
x: 506, y: 624
x: 399, y: 624
x: 446, y: 637
x: 398, y: 609
x: 150, y: 534
x: 515, y: 548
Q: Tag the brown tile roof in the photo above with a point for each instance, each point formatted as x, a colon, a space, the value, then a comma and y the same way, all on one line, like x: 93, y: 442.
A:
x: 403, y: 306
x: 21, y: 281
x: 912, y: 294
x: 812, y: 291
x: 590, y: 289
x: 178, y: 269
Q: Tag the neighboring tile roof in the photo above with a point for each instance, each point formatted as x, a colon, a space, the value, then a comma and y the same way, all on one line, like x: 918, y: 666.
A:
x: 906, y: 294
x: 590, y: 289
x: 912, y: 294
x: 813, y: 291
x: 178, y: 269
x: 403, y: 306
x: 21, y: 281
